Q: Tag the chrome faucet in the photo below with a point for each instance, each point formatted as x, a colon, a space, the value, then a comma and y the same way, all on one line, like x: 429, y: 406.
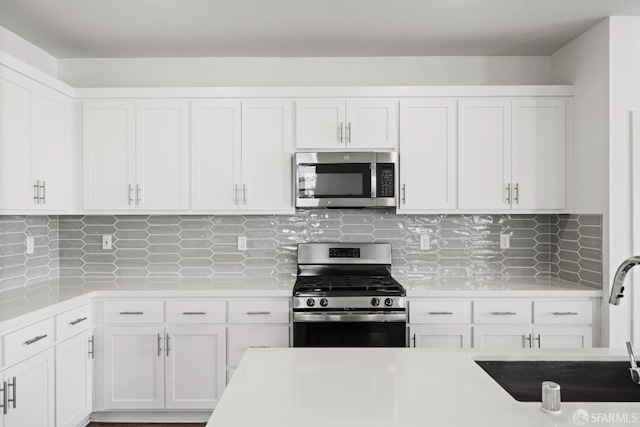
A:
x: 617, y: 289
x: 634, y: 370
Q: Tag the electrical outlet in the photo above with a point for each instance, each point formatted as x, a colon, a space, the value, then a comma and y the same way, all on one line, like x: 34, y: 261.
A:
x: 242, y: 243
x: 505, y: 241
x: 106, y: 241
x: 424, y: 242
x: 30, y: 246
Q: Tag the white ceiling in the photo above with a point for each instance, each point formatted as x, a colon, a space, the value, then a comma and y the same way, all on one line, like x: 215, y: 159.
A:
x: 193, y: 28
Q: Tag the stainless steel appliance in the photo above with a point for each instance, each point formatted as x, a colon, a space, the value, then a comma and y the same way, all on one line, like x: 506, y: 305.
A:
x: 344, y: 296
x: 342, y: 179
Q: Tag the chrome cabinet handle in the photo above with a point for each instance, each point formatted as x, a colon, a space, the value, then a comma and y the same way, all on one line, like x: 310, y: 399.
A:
x: 349, y: 132
x: 130, y: 194
x: 166, y: 344
x: 4, y: 398
x: 236, y: 195
x: 438, y: 313
x: 516, y: 197
x: 565, y: 313
x: 138, y: 191
x: 539, y: 341
x: 509, y: 193
x: 413, y: 338
x: 92, y: 353
x: 404, y: 194
x: 36, y: 191
x: 126, y: 313
x: 257, y: 313
x: 504, y: 313
x: 341, y: 133
x: 75, y: 322
x: 14, y: 386
x: 259, y: 346
x: 36, y: 339
x: 528, y: 339
x: 194, y: 313
x: 244, y: 194
x: 44, y: 192
x: 159, y: 346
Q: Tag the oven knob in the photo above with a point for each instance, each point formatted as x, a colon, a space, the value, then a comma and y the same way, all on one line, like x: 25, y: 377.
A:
x: 375, y: 302
x: 311, y: 302
x: 324, y: 302
x: 388, y: 302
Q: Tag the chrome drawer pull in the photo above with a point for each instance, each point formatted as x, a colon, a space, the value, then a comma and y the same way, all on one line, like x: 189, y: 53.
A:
x: 194, y: 313
x: 259, y: 346
x: 14, y: 386
x: 131, y: 312
x: 504, y: 313
x: 36, y: 339
x: 75, y: 322
x: 258, y: 313
x: 565, y: 313
x: 438, y: 313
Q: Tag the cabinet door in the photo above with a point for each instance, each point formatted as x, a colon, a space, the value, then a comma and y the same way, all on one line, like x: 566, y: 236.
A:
x: 53, y: 148
x: 484, y: 153
x: 372, y: 124
x: 215, y: 155
x: 428, y: 147
x: 502, y: 336
x: 266, y: 155
x: 16, y: 185
x: 133, y: 367
x: 74, y: 381
x: 320, y: 123
x: 243, y: 337
x: 162, y: 155
x: 563, y: 336
x: 108, y: 141
x: 33, y: 391
x: 539, y: 153
x: 441, y: 336
x: 195, y: 366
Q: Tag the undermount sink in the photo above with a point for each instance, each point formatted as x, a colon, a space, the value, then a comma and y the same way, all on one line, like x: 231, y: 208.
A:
x: 580, y: 381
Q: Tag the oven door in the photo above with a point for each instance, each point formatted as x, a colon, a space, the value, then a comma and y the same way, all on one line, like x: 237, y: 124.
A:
x: 349, y: 330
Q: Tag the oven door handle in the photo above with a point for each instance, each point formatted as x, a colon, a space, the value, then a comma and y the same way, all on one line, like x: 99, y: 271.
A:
x: 349, y: 317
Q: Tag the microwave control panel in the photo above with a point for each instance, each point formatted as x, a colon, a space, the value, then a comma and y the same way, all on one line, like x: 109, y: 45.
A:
x: 385, y: 177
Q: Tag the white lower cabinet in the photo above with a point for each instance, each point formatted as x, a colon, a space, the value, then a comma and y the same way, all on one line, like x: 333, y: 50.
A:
x: 563, y: 336
x: 30, y: 392
x: 502, y: 336
x: 180, y: 367
x: 74, y: 380
x: 532, y: 337
x: 243, y: 337
x: 440, y: 336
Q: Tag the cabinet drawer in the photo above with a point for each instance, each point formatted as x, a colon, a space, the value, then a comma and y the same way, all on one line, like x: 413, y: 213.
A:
x: 73, y: 321
x: 259, y: 311
x: 502, y: 312
x: 28, y: 341
x: 136, y: 312
x: 243, y: 337
x: 563, y: 312
x: 196, y: 312
x: 439, y: 312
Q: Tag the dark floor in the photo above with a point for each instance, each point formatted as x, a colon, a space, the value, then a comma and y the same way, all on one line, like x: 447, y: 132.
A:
x: 143, y: 425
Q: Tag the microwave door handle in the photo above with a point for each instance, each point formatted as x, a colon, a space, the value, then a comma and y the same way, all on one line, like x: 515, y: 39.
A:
x: 374, y: 176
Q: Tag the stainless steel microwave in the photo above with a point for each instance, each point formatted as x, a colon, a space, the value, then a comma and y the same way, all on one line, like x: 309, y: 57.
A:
x: 345, y: 179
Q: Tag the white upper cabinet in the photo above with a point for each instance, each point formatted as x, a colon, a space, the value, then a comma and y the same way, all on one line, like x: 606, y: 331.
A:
x: 511, y: 154
x: 428, y: 154
x: 266, y: 155
x: 538, y: 153
x: 484, y: 154
x: 334, y: 124
x: 216, y: 155
x: 162, y: 155
x: 36, y: 146
x: 136, y: 155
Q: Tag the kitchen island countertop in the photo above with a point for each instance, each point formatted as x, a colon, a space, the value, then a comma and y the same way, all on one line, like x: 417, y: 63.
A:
x: 387, y: 387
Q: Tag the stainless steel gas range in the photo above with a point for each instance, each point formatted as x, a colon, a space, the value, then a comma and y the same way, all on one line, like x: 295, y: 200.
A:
x: 344, y: 296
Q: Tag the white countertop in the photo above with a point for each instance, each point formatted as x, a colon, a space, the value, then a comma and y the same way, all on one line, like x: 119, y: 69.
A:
x: 386, y: 387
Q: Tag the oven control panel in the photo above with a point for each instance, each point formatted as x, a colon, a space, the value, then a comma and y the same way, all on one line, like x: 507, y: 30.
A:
x: 318, y: 303
x: 344, y: 252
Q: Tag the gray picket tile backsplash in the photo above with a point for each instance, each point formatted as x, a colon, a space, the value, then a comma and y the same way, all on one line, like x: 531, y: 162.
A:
x: 565, y: 246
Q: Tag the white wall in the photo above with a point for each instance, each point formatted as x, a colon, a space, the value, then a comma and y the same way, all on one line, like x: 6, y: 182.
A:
x: 584, y: 62
x: 389, y: 71
x: 624, y: 98
x: 27, y: 52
